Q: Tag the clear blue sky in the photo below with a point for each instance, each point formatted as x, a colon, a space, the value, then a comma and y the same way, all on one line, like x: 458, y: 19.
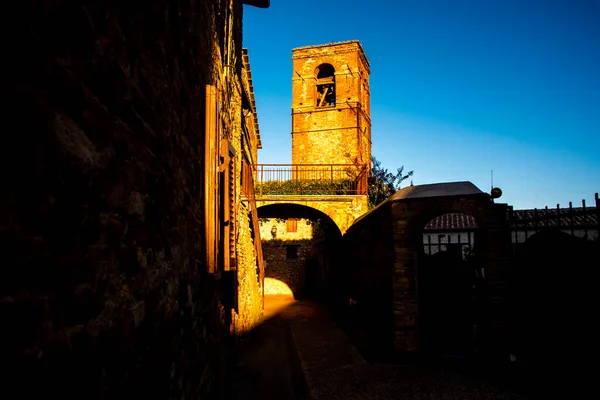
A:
x: 458, y: 88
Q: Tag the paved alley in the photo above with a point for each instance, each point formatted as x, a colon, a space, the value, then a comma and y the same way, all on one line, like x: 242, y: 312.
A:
x: 299, y: 353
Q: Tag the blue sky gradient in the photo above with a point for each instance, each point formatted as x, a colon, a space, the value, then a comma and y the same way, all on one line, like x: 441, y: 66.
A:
x: 458, y: 88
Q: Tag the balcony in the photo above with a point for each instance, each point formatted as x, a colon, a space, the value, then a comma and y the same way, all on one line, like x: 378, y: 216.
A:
x: 310, y: 179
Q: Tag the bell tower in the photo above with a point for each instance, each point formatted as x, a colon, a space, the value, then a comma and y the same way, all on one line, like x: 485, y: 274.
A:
x: 331, y: 120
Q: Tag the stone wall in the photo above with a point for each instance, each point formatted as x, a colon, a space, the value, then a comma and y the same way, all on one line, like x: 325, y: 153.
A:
x: 249, y: 312
x: 281, y: 269
x: 492, y: 250
x: 292, y: 272
x: 364, y: 279
x: 380, y: 273
x: 104, y: 292
x: 318, y: 248
x: 304, y: 229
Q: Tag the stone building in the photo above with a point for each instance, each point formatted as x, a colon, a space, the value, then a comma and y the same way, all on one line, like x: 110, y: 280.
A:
x: 331, y: 115
x: 128, y: 230
x: 331, y: 158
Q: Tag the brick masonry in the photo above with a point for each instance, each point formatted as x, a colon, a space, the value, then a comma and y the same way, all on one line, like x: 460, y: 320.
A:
x: 343, y: 210
x: 337, y: 134
x: 103, y: 291
x: 384, y: 270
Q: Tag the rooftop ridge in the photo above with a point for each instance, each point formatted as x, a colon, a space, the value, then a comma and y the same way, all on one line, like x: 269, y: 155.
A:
x: 327, y: 44
x: 315, y: 46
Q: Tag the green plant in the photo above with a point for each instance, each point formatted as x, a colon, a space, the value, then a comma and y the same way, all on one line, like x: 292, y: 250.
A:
x: 306, y: 186
x: 382, y: 183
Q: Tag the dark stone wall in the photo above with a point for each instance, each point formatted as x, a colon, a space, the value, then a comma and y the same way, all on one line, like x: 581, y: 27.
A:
x: 378, y: 277
x: 365, y: 280
x: 492, y: 251
x: 103, y: 291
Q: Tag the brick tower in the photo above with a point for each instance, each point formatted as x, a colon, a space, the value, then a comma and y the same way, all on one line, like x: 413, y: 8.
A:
x: 331, y: 120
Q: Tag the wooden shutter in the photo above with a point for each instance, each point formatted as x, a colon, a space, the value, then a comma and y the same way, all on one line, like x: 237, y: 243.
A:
x: 211, y: 160
x: 227, y: 205
x: 247, y: 180
x: 291, y: 225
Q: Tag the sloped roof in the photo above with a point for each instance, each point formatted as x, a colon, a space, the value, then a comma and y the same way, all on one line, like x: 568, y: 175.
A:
x: 452, y: 221
x: 432, y: 190
x: 577, y: 217
x: 250, y: 94
x: 463, y: 188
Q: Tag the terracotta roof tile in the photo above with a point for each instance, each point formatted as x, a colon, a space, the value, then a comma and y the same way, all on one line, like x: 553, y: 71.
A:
x: 452, y: 221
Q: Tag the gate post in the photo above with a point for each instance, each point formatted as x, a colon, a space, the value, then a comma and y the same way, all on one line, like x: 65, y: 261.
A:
x: 494, y: 333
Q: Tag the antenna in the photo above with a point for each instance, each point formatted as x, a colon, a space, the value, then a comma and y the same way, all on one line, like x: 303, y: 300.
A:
x: 494, y: 192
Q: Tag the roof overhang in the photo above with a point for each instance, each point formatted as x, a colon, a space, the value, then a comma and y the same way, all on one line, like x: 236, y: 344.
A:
x: 248, y: 95
x: 444, y: 189
x: 257, y: 3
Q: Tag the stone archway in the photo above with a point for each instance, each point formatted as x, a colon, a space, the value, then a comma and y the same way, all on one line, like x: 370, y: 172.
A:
x: 301, y: 257
x: 343, y: 210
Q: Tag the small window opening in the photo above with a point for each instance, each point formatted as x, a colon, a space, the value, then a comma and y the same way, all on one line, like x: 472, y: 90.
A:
x: 326, y: 86
x: 291, y: 251
x: 291, y: 225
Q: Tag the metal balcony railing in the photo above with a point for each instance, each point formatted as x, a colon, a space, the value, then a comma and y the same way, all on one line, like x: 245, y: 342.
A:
x: 310, y: 179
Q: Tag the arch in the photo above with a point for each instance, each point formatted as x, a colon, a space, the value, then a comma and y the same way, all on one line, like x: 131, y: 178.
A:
x: 300, y: 258
x: 324, y: 70
x: 426, y: 210
x: 342, y: 210
x: 325, y: 88
x: 454, y: 232
x: 292, y: 210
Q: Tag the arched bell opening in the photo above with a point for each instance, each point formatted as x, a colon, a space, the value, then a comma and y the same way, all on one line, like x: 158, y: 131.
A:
x: 325, y: 93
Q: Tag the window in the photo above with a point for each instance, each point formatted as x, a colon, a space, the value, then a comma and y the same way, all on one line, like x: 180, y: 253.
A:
x: 325, y: 86
x: 291, y: 251
x: 291, y: 225
x: 219, y: 189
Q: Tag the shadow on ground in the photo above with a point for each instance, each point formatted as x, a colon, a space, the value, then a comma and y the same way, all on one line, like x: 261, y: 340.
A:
x: 268, y: 366
x: 299, y: 352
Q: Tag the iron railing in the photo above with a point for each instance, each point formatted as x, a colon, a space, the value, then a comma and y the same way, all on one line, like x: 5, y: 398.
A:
x: 310, y: 179
x: 581, y: 221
